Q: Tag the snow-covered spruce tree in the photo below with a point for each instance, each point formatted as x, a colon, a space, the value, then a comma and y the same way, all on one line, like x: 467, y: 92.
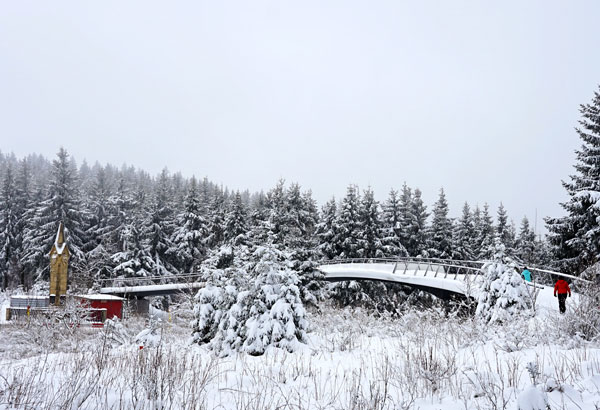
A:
x: 61, y: 203
x: 348, y: 223
x: 159, y: 226
x: 526, y: 243
x: 575, y: 238
x: 25, y: 208
x: 390, y: 216
x: 348, y: 241
x: 464, y: 232
x: 276, y: 314
x: 301, y: 243
x: 417, y: 226
x: 99, y: 192
x: 235, y: 220
x: 9, y: 234
x: 134, y: 259
x: 405, y: 214
x: 326, y: 230
x: 216, y: 220
x: 391, y: 243
x: 265, y: 310
x: 369, y: 242
x: 476, y: 218
x: 100, y: 231
x: 503, y: 293
x: 542, y: 254
x: 485, y: 239
x: 440, y: 235
x: 189, y: 238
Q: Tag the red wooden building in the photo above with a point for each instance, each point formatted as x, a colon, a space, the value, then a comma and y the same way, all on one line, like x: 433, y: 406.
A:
x: 112, y: 304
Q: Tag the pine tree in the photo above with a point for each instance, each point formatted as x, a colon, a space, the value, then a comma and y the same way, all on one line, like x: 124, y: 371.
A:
x: 391, y: 243
x: 159, y: 226
x: 405, y: 215
x: 503, y: 292
x: 235, y: 221
x: 575, y: 238
x: 526, y: 242
x: 9, y: 214
x: 216, y: 233
x: 440, y: 238
x: 348, y: 223
x: 391, y: 212
x: 62, y: 204
x: 464, y: 232
x: 251, y: 310
x: 369, y: 243
x: 25, y: 209
x: 191, y: 234
x: 417, y: 226
x: 486, y: 235
x: 327, y: 230
x: 100, y: 232
x: 135, y: 259
x: 505, y: 231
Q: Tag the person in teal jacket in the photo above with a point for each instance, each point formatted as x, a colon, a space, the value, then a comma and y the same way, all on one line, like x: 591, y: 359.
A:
x: 526, y: 274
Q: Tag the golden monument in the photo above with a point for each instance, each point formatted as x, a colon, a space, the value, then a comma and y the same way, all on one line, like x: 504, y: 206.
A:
x: 59, y: 264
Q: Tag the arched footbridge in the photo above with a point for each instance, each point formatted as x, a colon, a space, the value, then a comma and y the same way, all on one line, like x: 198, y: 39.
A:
x: 443, y: 278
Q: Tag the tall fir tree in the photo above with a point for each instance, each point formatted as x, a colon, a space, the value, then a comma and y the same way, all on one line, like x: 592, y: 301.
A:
x: 405, y: 212
x: 61, y: 204
x: 464, y: 232
x: 486, y: 235
x: 440, y: 237
x: 191, y: 234
x: 348, y: 223
x: 417, y: 226
x: 369, y: 245
x: 159, y: 226
x: 9, y: 235
x: 326, y: 230
x: 526, y: 242
x: 235, y: 220
x: 575, y: 237
x: 505, y: 232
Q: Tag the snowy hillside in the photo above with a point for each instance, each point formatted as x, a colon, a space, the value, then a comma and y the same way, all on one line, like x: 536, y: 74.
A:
x: 351, y: 361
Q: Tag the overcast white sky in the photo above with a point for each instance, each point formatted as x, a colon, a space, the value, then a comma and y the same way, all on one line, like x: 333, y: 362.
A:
x: 480, y: 98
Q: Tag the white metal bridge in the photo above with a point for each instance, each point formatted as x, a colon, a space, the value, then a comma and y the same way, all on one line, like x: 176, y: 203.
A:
x: 442, y: 277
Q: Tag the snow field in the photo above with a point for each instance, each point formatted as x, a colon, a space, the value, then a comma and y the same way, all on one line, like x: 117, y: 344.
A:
x: 352, y: 361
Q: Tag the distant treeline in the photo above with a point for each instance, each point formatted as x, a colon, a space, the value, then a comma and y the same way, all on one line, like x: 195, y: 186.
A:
x: 125, y: 222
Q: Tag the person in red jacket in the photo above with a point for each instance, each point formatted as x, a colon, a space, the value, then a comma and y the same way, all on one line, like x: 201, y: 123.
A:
x: 563, y: 290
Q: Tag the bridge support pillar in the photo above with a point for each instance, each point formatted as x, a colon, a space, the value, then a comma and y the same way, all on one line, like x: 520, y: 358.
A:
x: 140, y: 306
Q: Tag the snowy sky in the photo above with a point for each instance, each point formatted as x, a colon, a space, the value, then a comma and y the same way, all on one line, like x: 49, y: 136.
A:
x: 478, y: 97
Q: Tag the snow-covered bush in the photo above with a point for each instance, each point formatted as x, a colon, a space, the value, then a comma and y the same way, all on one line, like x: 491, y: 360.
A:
x: 248, y: 309
x: 151, y: 336
x: 503, y: 293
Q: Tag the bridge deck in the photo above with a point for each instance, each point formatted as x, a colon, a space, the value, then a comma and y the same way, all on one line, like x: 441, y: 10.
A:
x: 430, y: 278
x: 151, y: 290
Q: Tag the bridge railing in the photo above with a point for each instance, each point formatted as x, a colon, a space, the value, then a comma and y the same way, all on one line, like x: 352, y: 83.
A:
x: 431, y: 267
x: 149, y: 280
x: 455, y: 269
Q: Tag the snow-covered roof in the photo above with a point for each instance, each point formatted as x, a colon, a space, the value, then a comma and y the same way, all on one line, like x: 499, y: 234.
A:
x: 28, y: 297
x: 99, y: 296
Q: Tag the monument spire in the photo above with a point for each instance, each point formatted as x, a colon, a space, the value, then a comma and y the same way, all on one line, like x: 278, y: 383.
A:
x: 59, y: 265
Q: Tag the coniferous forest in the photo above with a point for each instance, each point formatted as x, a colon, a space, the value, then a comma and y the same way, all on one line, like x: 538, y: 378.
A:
x: 124, y: 222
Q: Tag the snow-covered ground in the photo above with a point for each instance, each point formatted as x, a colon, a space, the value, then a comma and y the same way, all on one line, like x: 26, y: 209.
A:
x: 352, y: 361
